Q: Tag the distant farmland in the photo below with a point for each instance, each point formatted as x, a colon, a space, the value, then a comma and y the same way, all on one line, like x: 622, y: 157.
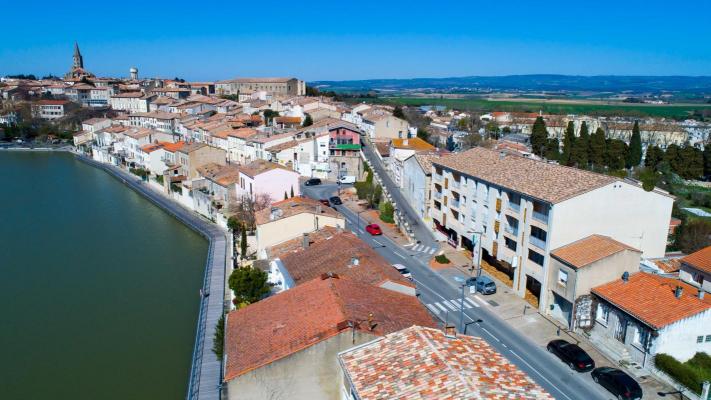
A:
x: 675, y: 111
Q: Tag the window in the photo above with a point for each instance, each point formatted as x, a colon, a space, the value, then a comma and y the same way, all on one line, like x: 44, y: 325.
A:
x: 603, y: 314
x: 562, y: 277
x: 699, y: 339
x: 708, y: 338
x: 535, y: 257
x: 511, y: 244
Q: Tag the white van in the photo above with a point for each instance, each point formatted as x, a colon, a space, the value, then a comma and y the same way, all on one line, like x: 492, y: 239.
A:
x: 347, y: 179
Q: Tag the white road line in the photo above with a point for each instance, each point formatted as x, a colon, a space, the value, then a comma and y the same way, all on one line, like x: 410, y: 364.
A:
x: 440, y: 306
x: 450, y: 306
x: 472, y: 303
x: 379, y: 244
x: 417, y: 248
x: 432, y: 251
x: 409, y: 245
x: 433, y: 308
x: 539, y: 374
x: 490, y: 334
x: 400, y: 255
x: 480, y: 300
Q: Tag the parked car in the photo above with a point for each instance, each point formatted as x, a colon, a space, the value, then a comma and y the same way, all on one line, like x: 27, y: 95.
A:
x: 325, y: 202
x: 403, y: 270
x: 347, y: 179
x: 335, y: 200
x: 617, y: 382
x: 374, y: 229
x: 571, y: 354
x: 484, y: 285
x: 312, y: 182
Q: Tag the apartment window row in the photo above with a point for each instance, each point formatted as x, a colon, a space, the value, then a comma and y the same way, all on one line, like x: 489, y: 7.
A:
x: 701, y: 339
x: 536, y: 257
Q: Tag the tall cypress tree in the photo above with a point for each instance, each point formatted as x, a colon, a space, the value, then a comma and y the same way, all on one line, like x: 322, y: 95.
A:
x: 597, y: 148
x: 568, y: 140
x: 616, y: 154
x: 635, y: 152
x: 552, y: 149
x: 539, y: 137
x: 653, y: 158
x: 579, y: 154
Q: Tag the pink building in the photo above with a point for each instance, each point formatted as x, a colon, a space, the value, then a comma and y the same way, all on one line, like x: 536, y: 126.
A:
x: 344, y: 151
x: 262, y: 177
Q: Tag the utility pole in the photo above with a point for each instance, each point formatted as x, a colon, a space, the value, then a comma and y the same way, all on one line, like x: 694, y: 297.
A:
x: 461, y: 309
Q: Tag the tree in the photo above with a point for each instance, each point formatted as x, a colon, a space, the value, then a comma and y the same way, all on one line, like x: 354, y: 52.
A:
x: 292, y: 191
x: 707, y: 160
x: 596, y: 155
x: 269, y: 115
x: 233, y: 223
x: 218, y: 340
x: 492, y: 130
x: 243, y: 244
x: 539, y: 137
x: 244, y: 209
x: 635, y: 152
x: 387, y: 212
x: 692, y: 162
x: 471, y: 140
x: 423, y: 134
x: 649, y: 179
x: 397, y: 112
x: 552, y: 149
x: 616, y: 154
x: 450, y: 145
x: 248, y: 284
x: 579, y: 153
x: 286, y: 196
x: 307, y: 121
x: 693, y: 235
x: 653, y: 158
x: 568, y: 141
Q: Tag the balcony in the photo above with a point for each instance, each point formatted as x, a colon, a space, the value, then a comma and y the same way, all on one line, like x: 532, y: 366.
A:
x: 540, y: 217
x: 515, y: 207
x: 454, y: 203
x: 540, y: 243
x: 438, y: 195
x: 437, y: 177
x: 511, y: 230
x: 456, y: 184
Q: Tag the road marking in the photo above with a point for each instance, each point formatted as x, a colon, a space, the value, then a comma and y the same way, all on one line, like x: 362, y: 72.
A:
x: 379, y: 244
x: 450, y: 306
x: 440, y: 306
x: 472, y: 303
x: 417, y: 248
x: 490, y: 334
x: 433, y: 308
x: 539, y: 374
x: 482, y: 301
x: 409, y: 245
x: 400, y: 255
x: 432, y: 251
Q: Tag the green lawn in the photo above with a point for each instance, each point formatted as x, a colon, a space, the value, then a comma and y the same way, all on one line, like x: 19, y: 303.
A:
x: 667, y: 110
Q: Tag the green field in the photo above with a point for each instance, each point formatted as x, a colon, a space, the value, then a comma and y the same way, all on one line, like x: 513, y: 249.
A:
x: 680, y: 111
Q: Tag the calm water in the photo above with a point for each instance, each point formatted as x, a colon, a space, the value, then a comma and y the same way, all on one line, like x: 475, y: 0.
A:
x: 98, y: 287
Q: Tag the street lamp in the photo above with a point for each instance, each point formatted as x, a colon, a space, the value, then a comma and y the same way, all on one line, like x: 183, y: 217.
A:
x: 476, y: 251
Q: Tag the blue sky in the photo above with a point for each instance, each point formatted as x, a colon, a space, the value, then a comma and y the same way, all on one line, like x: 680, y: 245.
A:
x: 336, y: 40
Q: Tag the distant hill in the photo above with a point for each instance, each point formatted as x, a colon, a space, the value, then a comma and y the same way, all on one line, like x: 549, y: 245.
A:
x: 530, y: 83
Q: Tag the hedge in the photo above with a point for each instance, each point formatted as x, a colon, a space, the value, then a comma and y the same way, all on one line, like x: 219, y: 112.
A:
x: 691, y: 373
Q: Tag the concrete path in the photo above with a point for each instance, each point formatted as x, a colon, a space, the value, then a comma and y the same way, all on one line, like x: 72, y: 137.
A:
x: 206, y: 370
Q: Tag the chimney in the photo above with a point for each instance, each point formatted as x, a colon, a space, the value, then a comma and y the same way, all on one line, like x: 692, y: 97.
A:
x: 355, y: 261
x: 625, y: 277
x: 502, y: 154
x: 405, y: 142
x: 305, y: 241
x: 701, y: 294
x: 678, y: 291
x: 450, y: 331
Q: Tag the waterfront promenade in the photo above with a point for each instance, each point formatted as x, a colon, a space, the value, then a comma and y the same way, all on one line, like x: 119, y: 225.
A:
x: 206, y: 370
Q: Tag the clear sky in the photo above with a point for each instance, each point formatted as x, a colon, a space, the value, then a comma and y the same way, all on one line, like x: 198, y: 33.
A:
x: 340, y: 39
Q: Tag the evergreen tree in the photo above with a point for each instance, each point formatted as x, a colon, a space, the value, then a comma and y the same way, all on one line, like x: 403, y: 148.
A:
x: 635, y: 153
x: 292, y: 191
x: 397, y: 112
x: 579, y: 153
x: 243, y: 243
x: 616, y: 154
x: 552, y: 149
x: 308, y: 121
x: 653, y: 158
x: 673, y: 158
x: 707, y: 160
x: 568, y: 140
x: 597, y: 148
x: 539, y: 137
x: 286, y: 196
x: 692, y: 162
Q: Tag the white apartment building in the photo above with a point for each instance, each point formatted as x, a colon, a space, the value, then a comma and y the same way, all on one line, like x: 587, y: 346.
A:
x: 132, y: 102
x: 52, y: 109
x: 520, y: 209
x: 157, y: 120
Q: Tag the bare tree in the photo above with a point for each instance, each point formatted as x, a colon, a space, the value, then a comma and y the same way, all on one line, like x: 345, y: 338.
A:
x: 245, y: 209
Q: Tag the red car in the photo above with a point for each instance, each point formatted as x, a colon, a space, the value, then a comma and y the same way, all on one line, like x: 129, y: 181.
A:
x: 325, y: 202
x: 373, y: 229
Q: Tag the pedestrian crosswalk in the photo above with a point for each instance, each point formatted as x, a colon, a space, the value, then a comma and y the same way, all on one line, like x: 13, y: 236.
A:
x: 445, y: 306
x: 421, y: 248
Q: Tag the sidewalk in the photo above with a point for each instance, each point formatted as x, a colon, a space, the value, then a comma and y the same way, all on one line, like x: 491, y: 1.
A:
x: 371, y: 216
x: 541, y: 329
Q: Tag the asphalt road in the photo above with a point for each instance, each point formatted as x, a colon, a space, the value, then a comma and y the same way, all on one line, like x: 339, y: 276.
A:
x: 435, y: 291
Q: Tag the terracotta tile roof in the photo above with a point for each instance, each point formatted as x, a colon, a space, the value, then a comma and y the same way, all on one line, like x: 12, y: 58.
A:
x: 425, y: 160
x: 294, y: 206
x: 590, y: 249
x: 700, y: 260
x: 298, y: 318
x: 150, y: 148
x: 257, y: 167
x: 383, y: 148
x: 243, y: 133
x: 173, y: 147
x: 650, y: 298
x: 52, y: 102
x: 335, y: 255
x: 281, y: 249
x: 223, y: 175
x: 669, y: 266
x: 415, y: 143
x: 541, y: 180
x: 423, y: 363
x: 288, y: 120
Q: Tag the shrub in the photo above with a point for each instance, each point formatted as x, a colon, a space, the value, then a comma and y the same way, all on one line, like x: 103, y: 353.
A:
x: 386, y: 212
x: 442, y: 259
x: 218, y: 341
x: 683, y: 373
x: 249, y: 284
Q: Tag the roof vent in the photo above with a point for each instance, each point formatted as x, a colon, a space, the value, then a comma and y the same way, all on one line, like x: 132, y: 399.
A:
x: 502, y: 154
x: 305, y: 241
x: 450, y: 331
x: 355, y: 261
x: 701, y: 294
x: 275, y: 213
x: 625, y: 276
x: 328, y: 275
x: 678, y: 291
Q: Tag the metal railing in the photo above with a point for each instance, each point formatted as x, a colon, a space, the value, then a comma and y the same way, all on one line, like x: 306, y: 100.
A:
x: 511, y: 230
x: 540, y: 243
x: 540, y: 216
x: 516, y: 207
x: 437, y: 195
x: 454, y: 203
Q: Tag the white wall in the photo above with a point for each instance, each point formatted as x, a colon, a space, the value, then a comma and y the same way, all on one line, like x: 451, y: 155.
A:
x: 679, y: 339
x: 623, y: 211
